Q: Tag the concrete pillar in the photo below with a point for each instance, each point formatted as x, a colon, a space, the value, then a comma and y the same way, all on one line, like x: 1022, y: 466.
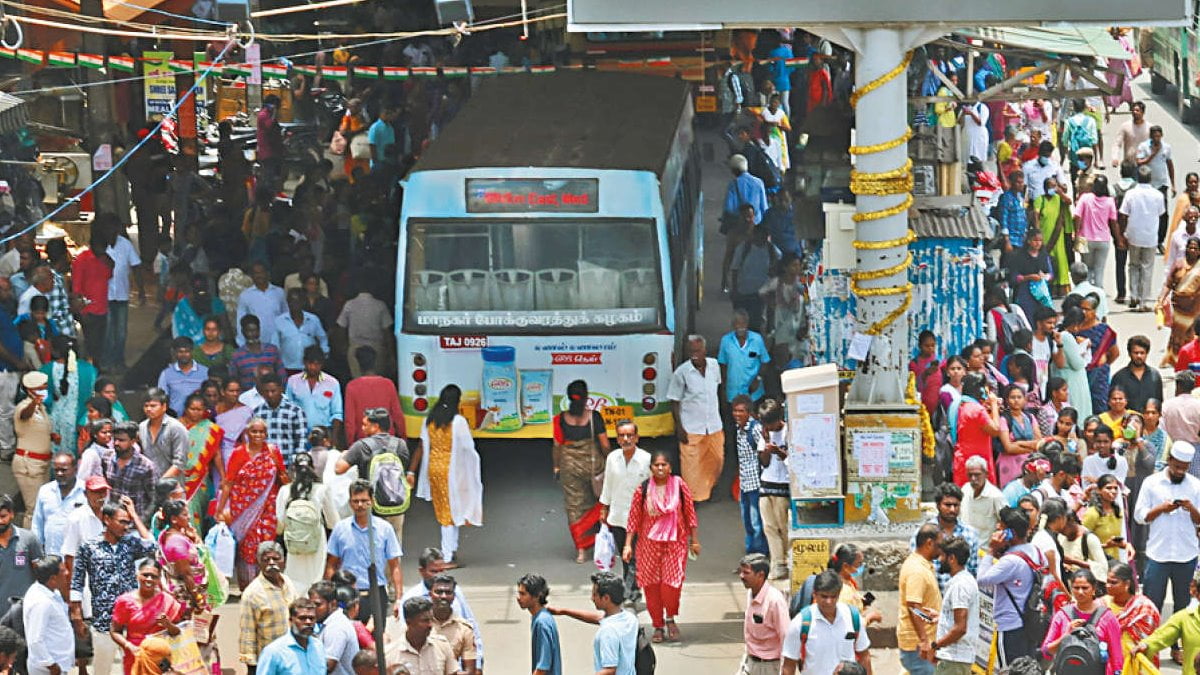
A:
x: 881, y: 116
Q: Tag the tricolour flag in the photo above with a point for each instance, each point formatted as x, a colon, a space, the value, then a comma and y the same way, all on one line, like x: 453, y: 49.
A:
x: 541, y: 69
x: 454, y: 71
x: 307, y: 70
x: 7, y: 53
x: 424, y: 71
x: 335, y: 72
x: 390, y: 73
x: 276, y: 70
x: 34, y: 56
x: 237, y: 69
x: 179, y: 66
x: 367, y: 72
x: 631, y: 63
x: 61, y: 59
x: 121, y: 63
x: 483, y: 70
x: 93, y: 61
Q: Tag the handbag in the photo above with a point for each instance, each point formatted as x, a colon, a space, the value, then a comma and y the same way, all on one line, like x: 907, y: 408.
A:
x: 597, y: 478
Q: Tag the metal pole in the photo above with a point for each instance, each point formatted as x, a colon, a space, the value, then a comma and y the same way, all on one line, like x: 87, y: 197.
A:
x: 377, y: 609
x: 99, y: 122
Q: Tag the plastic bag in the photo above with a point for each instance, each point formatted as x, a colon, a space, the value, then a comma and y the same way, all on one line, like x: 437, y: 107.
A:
x: 1040, y: 290
x: 223, y: 548
x: 605, y: 554
x: 338, y: 486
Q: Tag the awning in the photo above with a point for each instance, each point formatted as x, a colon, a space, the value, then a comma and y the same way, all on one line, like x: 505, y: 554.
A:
x: 959, y: 223
x: 13, y: 113
x: 1077, y: 41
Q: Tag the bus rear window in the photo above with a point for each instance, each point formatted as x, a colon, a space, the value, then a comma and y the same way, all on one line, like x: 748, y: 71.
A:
x: 533, y: 276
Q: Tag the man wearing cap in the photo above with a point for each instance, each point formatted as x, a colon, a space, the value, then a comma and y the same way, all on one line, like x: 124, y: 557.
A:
x: 84, y: 525
x: 55, y: 501
x: 1167, y: 504
x: 31, y: 420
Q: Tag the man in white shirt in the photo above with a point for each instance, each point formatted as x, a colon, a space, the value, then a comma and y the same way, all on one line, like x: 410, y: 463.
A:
x: 1139, y: 215
x: 825, y: 633
x: 1083, y: 288
x: 959, y: 621
x: 974, y: 119
x: 84, y: 524
x: 1167, y: 504
x: 264, y: 300
x: 55, y: 501
x: 52, y: 640
x: 1038, y: 169
x: 624, y: 472
x: 981, y: 501
x: 695, y: 405
x: 1156, y: 154
x: 126, y: 261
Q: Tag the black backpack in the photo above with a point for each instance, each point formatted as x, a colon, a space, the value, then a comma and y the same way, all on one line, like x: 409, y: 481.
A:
x: 1079, y: 652
x: 644, y: 660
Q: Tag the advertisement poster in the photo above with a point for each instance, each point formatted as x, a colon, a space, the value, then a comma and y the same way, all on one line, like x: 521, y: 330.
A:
x: 160, y: 83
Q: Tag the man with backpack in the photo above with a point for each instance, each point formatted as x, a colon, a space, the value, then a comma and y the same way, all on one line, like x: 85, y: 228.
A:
x: 825, y: 633
x: 381, y: 459
x: 1013, y: 570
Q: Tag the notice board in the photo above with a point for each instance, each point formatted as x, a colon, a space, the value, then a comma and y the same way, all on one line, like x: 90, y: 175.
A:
x: 882, y: 455
x: 814, y: 442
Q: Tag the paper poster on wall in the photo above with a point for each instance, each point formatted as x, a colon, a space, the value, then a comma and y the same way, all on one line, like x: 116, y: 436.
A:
x: 985, y: 644
x: 813, y: 460
x: 873, y: 451
x: 807, y: 403
x: 809, y: 556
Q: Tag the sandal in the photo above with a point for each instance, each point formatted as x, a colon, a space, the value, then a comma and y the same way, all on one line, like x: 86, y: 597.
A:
x: 658, y: 636
x: 672, y: 631
x: 580, y: 557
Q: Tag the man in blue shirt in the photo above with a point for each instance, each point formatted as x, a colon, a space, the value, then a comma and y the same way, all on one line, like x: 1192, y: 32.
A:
x: 532, y: 593
x: 382, y: 137
x: 350, y: 547
x: 296, y: 330
x: 296, y: 652
x: 781, y: 72
x: 745, y: 188
x: 1005, y: 571
x: 615, y: 646
x: 183, y: 377
x: 742, y: 355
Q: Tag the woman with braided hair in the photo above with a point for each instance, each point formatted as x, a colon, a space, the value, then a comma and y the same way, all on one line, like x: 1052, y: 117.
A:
x: 71, y: 382
x: 580, y: 452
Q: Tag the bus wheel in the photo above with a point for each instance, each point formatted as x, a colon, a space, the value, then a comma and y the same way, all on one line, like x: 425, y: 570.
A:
x: 1158, y: 84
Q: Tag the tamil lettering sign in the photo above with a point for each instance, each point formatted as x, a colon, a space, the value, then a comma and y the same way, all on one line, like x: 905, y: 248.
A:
x: 540, y: 319
x: 526, y: 195
x: 160, y: 83
x: 645, y: 15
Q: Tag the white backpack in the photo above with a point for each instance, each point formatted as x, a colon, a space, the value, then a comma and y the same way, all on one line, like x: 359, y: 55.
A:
x: 303, y: 531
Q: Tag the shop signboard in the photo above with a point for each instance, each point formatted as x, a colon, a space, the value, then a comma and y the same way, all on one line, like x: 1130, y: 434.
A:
x: 159, y: 83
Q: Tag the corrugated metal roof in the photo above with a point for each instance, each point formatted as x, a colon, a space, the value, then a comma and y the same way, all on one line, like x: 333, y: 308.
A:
x: 1079, y: 41
x: 13, y: 113
x: 960, y: 223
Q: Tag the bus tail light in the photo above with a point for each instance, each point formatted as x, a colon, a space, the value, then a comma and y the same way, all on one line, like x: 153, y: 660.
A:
x: 419, y: 375
x: 648, y: 403
x: 648, y: 389
x: 419, y: 390
x: 650, y: 358
x: 649, y: 374
x: 420, y: 404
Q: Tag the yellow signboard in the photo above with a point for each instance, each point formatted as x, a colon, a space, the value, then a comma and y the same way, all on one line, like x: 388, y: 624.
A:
x: 615, y: 413
x: 809, y: 556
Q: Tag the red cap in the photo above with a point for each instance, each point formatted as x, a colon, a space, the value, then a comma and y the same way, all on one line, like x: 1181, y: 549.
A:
x: 96, y: 483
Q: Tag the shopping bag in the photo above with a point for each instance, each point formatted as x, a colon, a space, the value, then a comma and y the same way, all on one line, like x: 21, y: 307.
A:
x: 605, y: 553
x: 223, y: 548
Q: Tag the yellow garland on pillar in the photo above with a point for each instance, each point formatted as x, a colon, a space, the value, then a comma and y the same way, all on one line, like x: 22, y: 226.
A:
x: 898, y: 181
x: 928, y: 444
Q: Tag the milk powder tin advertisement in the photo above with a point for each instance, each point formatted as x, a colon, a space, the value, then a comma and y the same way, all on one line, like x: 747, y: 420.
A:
x: 513, y: 386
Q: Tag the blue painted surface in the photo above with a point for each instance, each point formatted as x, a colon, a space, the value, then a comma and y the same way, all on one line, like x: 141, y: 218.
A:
x: 947, y: 277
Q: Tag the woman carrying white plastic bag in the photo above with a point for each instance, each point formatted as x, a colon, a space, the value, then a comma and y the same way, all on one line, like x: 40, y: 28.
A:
x: 605, y: 552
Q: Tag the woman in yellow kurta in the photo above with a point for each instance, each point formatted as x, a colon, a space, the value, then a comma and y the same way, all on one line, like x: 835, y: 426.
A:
x: 449, y: 465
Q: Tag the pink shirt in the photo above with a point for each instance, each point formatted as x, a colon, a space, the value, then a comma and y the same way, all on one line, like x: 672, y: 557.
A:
x: 1093, y: 215
x: 765, y: 640
x: 1108, y: 629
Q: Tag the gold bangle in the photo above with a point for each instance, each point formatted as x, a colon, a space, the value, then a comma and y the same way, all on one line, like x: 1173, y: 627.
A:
x: 878, y: 82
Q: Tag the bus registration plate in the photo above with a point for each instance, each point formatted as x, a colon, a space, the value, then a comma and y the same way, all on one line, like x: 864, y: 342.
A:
x: 615, y: 413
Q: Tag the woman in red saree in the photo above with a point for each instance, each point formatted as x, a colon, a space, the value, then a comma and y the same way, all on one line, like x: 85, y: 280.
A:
x: 662, y: 517
x: 204, y: 453
x: 247, y: 501
x: 143, y: 612
x: 1136, y: 614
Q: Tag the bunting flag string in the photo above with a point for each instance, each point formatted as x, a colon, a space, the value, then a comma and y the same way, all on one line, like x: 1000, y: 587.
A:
x: 276, y: 70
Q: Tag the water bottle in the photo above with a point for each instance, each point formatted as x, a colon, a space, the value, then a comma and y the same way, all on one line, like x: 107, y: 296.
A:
x: 1104, y: 653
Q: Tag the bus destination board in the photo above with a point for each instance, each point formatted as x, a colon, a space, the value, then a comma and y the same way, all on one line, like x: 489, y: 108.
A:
x: 533, y: 195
